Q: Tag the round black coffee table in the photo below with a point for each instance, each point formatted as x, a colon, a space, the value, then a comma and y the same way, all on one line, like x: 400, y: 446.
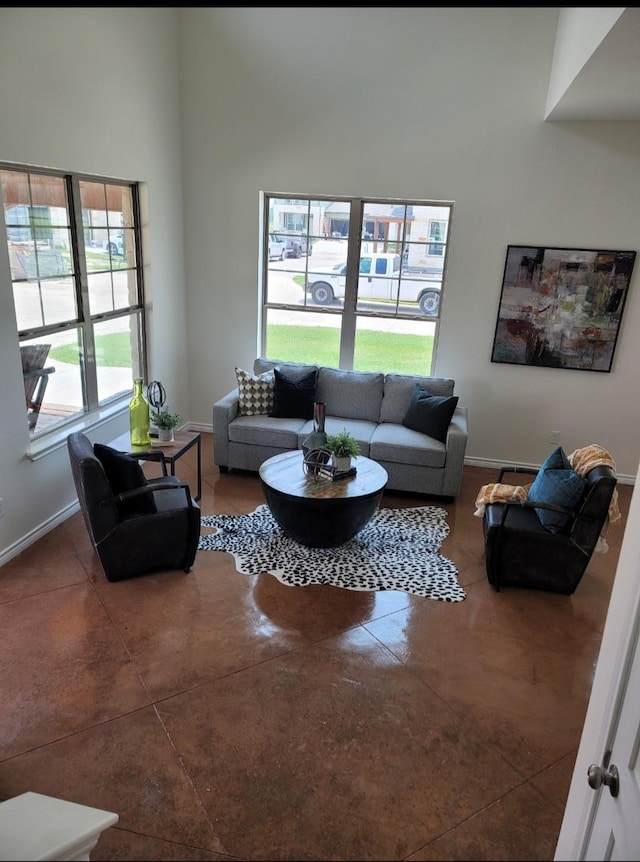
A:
x: 321, y: 513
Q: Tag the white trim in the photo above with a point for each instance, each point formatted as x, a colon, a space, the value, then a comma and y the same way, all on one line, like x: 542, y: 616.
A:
x: 42, y: 446
x: 38, y: 532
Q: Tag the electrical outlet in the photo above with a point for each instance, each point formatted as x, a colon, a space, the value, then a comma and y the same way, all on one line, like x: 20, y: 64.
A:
x: 554, y: 436
x: 1, y: 508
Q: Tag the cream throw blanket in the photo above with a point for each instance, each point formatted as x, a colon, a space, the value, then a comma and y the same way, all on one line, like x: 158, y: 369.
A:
x: 582, y: 460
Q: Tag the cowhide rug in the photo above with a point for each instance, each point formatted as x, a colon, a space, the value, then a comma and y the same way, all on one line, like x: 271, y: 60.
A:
x: 397, y: 550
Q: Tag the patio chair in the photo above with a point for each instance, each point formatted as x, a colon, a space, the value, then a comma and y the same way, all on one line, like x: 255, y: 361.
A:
x: 36, y: 377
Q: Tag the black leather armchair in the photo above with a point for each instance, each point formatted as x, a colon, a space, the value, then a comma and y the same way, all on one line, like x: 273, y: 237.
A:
x: 521, y: 552
x: 163, y: 536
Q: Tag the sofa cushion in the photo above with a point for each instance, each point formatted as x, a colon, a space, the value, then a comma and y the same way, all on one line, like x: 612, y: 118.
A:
x: 350, y: 394
x: 397, y: 444
x: 260, y: 431
x: 293, y: 398
x: 398, y: 389
x: 430, y: 414
x: 556, y: 483
x: 124, y: 473
x: 255, y: 392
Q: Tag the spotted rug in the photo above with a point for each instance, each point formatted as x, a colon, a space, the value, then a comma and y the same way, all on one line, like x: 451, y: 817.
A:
x: 397, y: 550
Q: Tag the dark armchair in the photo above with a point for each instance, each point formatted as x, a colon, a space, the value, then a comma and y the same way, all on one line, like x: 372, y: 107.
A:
x: 521, y: 552
x: 152, y: 526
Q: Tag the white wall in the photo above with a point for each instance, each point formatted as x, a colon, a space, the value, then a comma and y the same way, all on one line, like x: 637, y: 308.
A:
x: 400, y: 102
x: 95, y: 91
x: 580, y: 31
x: 410, y: 103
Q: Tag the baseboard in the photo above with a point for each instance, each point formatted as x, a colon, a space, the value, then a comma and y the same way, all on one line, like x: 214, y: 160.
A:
x: 38, y: 532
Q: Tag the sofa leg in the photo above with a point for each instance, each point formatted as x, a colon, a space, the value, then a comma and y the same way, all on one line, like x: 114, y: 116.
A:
x: 222, y: 468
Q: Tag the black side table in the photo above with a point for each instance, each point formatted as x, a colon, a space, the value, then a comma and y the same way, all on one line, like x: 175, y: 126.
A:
x: 165, y: 453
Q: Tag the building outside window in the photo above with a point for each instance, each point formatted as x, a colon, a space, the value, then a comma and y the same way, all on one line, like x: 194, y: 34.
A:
x: 437, y: 232
x: 368, y: 293
x: 76, y: 276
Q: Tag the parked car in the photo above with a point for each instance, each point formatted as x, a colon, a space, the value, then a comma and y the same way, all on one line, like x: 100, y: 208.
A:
x: 114, y: 244
x: 378, y: 280
x: 296, y: 245
x: 277, y: 247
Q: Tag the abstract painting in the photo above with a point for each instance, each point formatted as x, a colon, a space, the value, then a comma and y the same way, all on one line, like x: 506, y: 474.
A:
x: 561, y: 307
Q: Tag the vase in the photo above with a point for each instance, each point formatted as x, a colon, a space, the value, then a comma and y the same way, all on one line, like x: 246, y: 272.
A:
x: 165, y: 435
x: 318, y: 438
x: 139, y: 421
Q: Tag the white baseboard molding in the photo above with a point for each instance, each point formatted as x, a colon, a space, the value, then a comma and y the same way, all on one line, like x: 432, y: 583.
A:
x: 38, y: 532
x: 202, y: 427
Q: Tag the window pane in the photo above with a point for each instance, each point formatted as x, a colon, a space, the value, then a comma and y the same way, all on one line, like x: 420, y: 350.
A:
x: 286, y: 279
x: 112, y: 291
x: 44, y: 303
x: 427, y: 238
x: 107, y: 217
x: 401, y: 252
x: 335, y: 222
x: 47, y: 290
x: 61, y: 392
x: 117, y: 355
x: 301, y: 336
x: 395, y: 346
x: 383, y: 226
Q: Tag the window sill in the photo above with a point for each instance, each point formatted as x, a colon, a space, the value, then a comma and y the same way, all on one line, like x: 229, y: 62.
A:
x: 57, y: 439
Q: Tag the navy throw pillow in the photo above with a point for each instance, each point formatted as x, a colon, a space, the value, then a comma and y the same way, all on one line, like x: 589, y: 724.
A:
x: 124, y: 473
x: 294, y: 398
x: 430, y: 414
x: 556, y: 483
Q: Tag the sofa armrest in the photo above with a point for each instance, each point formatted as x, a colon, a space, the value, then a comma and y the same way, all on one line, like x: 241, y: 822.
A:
x: 224, y: 411
x: 456, y: 444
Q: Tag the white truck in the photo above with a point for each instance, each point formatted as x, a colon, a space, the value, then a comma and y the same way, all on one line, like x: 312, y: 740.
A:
x: 380, y: 279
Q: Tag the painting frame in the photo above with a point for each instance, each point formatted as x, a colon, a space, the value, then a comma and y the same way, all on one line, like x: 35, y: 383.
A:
x: 561, y: 307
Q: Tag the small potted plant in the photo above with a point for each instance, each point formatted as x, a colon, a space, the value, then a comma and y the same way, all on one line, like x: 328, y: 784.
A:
x: 343, y: 447
x: 165, y: 422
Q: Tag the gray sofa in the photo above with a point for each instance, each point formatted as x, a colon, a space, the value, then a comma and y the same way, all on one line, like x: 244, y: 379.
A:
x: 371, y: 406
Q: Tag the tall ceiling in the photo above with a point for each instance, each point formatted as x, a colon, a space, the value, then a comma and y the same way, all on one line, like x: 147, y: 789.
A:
x: 608, y: 85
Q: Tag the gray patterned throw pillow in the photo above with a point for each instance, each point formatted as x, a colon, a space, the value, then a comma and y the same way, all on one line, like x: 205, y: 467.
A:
x: 255, y: 392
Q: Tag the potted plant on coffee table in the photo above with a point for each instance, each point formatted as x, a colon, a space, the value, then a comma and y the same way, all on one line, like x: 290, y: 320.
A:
x: 166, y: 422
x: 343, y: 447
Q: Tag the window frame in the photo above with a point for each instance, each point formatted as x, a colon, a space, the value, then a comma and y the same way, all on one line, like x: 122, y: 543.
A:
x: 85, y: 323
x: 359, y: 217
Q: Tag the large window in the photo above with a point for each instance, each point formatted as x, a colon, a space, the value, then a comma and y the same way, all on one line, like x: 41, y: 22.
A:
x: 77, y: 288
x: 367, y: 290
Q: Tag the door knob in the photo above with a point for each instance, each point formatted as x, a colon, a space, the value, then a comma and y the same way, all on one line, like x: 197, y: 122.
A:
x: 598, y: 775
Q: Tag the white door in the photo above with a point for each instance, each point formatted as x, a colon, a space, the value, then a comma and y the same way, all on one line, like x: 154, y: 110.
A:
x: 597, y: 824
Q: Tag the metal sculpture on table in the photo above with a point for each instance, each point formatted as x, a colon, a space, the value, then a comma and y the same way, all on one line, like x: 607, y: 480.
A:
x: 316, y: 462
x: 156, y: 395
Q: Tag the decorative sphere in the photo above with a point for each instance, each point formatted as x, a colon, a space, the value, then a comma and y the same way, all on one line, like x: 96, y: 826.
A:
x: 156, y: 394
x: 315, y: 462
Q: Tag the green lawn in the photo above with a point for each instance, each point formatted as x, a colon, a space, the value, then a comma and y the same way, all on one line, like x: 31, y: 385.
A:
x: 375, y: 351
x: 317, y: 345
x: 112, y: 351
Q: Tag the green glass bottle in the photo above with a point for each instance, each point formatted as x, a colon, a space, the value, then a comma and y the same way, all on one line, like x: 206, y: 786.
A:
x: 139, y: 416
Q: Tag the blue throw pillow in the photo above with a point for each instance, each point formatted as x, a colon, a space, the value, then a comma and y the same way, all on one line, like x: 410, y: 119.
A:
x: 556, y: 483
